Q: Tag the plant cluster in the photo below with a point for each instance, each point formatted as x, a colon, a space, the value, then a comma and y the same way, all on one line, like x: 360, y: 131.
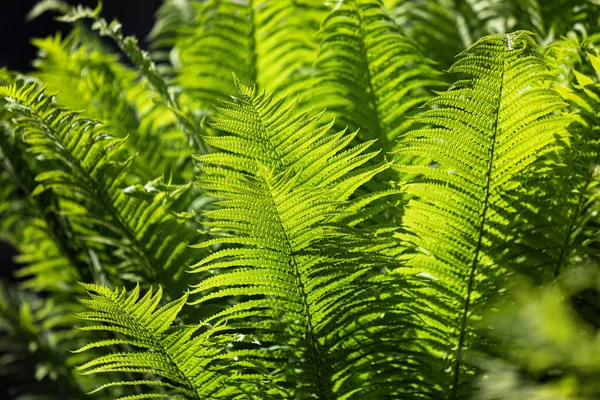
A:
x: 296, y: 199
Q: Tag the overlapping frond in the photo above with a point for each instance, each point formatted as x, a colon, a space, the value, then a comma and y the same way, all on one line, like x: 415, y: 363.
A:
x: 488, y: 129
x: 189, y: 125
x: 33, y: 225
x: 260, y: 127
x: 368, y: 75
x: 171, y: 17
x: 88, y: 78
x: 314, y: 296
x: 565, y: 232
x: 264, y: 42
x: 134, y: 225
x: 458, y: 23
x: 169, y: 361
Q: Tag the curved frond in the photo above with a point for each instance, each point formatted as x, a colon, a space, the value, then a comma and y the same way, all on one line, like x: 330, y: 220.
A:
x: 302, y: 288
x: 88, y: 78
x: 32, y: 225
x: 369, y: 75
x: 135, y: 225
x: 170, y: 361
x: 488, y: 129
x: 146, y: 66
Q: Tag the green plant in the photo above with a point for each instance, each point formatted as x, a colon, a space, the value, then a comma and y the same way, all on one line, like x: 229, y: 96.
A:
x: 187, y: 233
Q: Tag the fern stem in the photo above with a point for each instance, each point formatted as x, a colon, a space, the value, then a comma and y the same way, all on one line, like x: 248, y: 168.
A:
x: 313, y: 343
x: 478, y: 247
x: 576, y: 211
x: 158, y: 345
x: 311, y: 331
x: 253, y: 73
x: 371, y: 91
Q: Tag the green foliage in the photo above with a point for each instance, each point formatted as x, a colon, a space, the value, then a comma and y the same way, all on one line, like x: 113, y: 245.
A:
x: 369, y: 74
x: 178, y: 357
x: 35, y: 342
x: 502, y: 122
x: 418, y: 244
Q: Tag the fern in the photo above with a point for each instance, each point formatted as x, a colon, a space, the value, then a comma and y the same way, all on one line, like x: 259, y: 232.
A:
x: 460, y: 23
x: 58, y: 260
x: 502, y: 120
x: 369, y: 74
x: 34, y: 345
x: 178, y: 358
x: 142, y: 60
x: 244, y: 37
x: 319, y: 302
x: 136, y: 216
x: 108, y: 92
x: 373, y: 256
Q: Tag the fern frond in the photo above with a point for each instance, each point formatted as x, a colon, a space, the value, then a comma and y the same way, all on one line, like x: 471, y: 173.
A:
x: 565, y: 233
x: 171, y: 17
x: 135, y: 224
x: 302, y: 288
x: 457, y: 24
x: 33, y: 226
x: 369, y: 75
x: 144, y: 63
x: 488, y: 129
x: 245, y: 37
x: 171, y: 361
x: 261, y: 128
x: 88, y: 78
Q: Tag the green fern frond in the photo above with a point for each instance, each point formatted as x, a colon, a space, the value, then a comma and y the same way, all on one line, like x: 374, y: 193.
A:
x: 261, y: 128
x: 303, y: 288
x: 92, y: 80
x: 488, y: 129
x: 144, y: 63
x: 171, y: 18
x: 134, y: 224
x: 171, y: 361
x: 44, y: 6
x: 457, y: 24
x: 565, y: 233
x: 33, y: 226
x: 245, y: 37
x: 369, y: 75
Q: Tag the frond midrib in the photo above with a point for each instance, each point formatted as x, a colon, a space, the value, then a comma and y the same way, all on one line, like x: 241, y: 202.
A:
x: 366, y: 67
x: 480, y: 234
x: 159, y: 345
x: 105, y: 197
x: 315, y: 353
x: 264, y: 133
x: 253, y: 56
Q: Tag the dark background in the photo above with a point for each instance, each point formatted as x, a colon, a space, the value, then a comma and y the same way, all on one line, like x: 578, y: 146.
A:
x: 17, y: 53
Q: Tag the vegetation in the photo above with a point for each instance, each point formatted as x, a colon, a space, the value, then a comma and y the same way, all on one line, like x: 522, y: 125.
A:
x: 356, y: 199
